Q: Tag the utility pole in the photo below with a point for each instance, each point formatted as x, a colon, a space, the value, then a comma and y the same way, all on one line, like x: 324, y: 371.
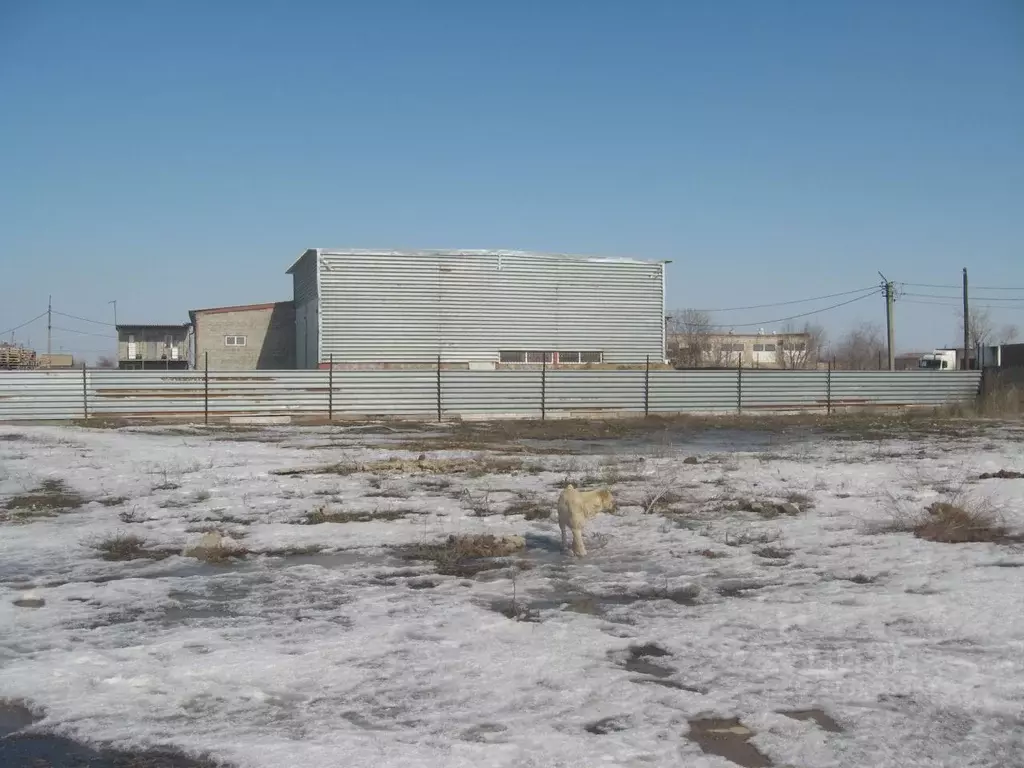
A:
x: 967, y: 321
x: 49, y: 324
x: 889, y: 327
x: 114, y: 302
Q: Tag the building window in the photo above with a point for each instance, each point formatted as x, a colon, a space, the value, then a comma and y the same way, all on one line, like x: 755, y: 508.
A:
x: 732, y: 347
x: 769, y: 347
x: 234, y: 341
x: 579, y: 358
x: 525, y: 357
x: 759, y: 347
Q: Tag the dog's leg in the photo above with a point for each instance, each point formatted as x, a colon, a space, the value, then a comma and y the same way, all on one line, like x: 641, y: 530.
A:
x: 578, y: 547
x: 561, y: 528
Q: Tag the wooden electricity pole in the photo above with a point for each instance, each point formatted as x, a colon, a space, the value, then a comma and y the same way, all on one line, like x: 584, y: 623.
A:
x: 967, y: 322
x: 889, y: 327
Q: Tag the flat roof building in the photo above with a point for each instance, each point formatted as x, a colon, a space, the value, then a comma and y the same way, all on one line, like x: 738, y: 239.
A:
x: 475, y: 309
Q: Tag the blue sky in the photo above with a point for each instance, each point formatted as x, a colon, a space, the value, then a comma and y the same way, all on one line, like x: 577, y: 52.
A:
x: 181, y: 155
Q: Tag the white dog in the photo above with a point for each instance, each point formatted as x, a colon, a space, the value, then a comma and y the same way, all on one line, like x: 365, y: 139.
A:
x: 575, y: 508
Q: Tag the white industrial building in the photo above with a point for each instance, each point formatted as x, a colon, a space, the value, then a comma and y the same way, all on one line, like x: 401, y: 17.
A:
x: 475, y: 309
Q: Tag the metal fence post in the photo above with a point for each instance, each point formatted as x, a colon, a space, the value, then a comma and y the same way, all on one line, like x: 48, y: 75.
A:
x: 544, y: 387
x: 828, y: 389
x: 85, y: 393
x: 206, y: 388
x: 439, y: 388
x: 330, y: 389
x: 647, y: 386
x: 739, y: 387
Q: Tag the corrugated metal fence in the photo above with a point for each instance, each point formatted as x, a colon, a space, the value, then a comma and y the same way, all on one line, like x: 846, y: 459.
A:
x: 60, y: 395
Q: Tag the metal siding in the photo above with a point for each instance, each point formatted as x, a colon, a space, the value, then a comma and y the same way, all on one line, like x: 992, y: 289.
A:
x: 904, y: 387
x: 41, y: 395
x: 402, y: 308
x: 692, y: 391
x: 59, y: 394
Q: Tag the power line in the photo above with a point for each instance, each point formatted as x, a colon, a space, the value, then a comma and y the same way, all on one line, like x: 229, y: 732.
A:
x: 957, y: 287
x: 981, y: 298
x: 874, y: 292
x: 794, y: 301
x: 27, y: 322
x: 84, y: 333
x: 83, y: 319
x: 958, y: 305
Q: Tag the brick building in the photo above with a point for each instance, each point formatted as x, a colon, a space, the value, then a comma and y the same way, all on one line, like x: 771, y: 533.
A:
x: 244, y: 338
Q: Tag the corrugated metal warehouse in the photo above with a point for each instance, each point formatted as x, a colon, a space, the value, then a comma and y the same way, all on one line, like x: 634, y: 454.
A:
x: 478, y: 309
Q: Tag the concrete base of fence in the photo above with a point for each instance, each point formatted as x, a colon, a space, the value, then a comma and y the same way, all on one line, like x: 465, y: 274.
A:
x: 260, y: 420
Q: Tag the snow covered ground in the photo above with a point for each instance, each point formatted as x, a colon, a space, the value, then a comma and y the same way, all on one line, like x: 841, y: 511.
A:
x: 324, y: 647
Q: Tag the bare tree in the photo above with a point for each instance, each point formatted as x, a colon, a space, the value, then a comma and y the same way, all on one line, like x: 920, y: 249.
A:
x: 690, y: 342
x: 105, y: 361
x: 980, y: 329
x: 1007, y: 334
x: 861, y: 348
x: 803, y: 353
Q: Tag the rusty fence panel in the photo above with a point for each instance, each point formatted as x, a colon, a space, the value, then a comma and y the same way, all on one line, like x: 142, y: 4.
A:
x: 64, y: 395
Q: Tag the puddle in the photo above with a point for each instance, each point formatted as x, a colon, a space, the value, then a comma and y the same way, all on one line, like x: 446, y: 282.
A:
x: 824, y: 720
x: 727, y: 738
x: 48, y: 751
x: 14, y: 717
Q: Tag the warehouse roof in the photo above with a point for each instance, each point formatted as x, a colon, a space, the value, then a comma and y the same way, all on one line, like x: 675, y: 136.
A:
x: 465, y: 252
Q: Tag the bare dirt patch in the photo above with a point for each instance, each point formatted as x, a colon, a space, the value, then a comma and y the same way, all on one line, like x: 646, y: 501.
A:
x: 728, y: 738
x: 465, y: 555
x: 128, y: 547
x: 49, y: 499
x: 323, y: 514
x: 1002, y: 474
x: 471, y: 467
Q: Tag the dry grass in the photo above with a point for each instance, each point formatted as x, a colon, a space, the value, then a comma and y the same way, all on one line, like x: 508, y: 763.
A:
x: 128, y: 547
x: 471, y: 467
x: 218, y: 555
x: 528, y: 508
x: 952, y: 524
x: 465, y: 555
x: 50, y: 498
x: 323, y: 514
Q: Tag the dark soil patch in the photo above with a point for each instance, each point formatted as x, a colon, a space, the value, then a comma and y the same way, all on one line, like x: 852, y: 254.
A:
x: 1002, y: 474
x: 47, y: 751
x: 824, y: 721
x: 773, y: 553
x: 727, y: 738
x: 668, y: 684
x: 712, y: 554
x: 608, y: 725
x: 12, y: 437
x: 323, y: 515
x: 128, y: 547
x: 465, y: 555
x: 738, y: 587
x: 638, y: 660
x: 50, y: 498
x: 531, y: 510
x: 113, y: 501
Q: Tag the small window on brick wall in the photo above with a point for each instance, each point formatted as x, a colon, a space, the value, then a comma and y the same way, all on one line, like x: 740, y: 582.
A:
x: 580, y: 358
x: 234, y: 341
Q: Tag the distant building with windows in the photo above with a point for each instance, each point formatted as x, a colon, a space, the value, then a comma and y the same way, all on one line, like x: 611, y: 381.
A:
x: 475, y: 309
x: 751, y: 350
x: 246, y: 337
x: 143, y: 347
